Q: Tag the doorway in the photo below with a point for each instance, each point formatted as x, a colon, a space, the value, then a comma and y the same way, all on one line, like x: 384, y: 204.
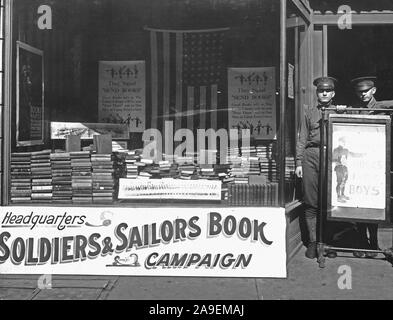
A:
x: 361, y: 51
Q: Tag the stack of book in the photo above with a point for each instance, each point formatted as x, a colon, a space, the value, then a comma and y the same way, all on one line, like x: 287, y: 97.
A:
x: 253, y: 195
x: 166, y: 169
x: 132, y: 169
x: 222, y: 170
x: 145, y: 168
x: 206, y: 171
x: 20, y: 177
x: 41, y: 176
x: 253, y: 162
x: 103, y: 183
x: 249, y: 151
x: 187, y: 171
x: 267, y: 163
x: 82, y: 182
x: 289, y: 168
x: 61, y: 177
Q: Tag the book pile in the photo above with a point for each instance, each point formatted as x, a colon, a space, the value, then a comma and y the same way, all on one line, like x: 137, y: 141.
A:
x: 146, y: 166
x: 41, y: 176
x: 240, y: 171
x: 186, y: 167
x: 20, y: 177
x: 249, y: 151
x: 167, y: 169
x: 254, y: 166
x: 61, y: 177
x: 132, y: 169
x: 222, y: 170
x: 81, y: 181
x: 206, y: 171
x: 253, y: 195
x: 187, y: 171
x: 268, y: 165
x: 289, y: 168
x: 103, y: 183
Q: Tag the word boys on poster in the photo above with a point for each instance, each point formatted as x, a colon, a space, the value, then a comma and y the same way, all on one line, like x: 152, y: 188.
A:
x: 122, y: 93
x: 252, y: 101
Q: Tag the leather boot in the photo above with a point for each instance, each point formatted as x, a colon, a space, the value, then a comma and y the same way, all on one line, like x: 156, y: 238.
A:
x: 311, y: 251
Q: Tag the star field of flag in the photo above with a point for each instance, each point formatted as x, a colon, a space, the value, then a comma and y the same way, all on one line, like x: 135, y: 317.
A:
x: 202, y: 58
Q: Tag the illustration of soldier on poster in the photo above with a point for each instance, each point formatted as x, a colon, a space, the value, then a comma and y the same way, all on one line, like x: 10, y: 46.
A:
x: 358, y: 166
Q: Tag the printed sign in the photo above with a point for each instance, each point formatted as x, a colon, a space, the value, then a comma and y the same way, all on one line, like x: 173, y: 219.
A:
x: 122, y: 93
x: 86, y: 131
x: 29, y: 95
x: 252, y: 101
x: 169, y: 189
x: 358, y: 167
x: 221, y: 242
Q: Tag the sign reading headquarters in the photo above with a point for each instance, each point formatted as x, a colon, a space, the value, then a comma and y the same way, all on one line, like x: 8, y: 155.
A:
x: 222, y: 242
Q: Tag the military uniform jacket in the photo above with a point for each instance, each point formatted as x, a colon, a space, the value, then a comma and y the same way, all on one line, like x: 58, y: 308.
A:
x: 374, y: 104
x: 309, y: 135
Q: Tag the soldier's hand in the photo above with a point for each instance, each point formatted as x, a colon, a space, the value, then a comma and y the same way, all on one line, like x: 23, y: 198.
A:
x: 341, y: 108
x: 299, y: 172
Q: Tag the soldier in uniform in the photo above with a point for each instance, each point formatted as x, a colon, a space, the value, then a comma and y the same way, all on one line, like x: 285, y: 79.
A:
x: 307, y: 156
x: 365, y: 89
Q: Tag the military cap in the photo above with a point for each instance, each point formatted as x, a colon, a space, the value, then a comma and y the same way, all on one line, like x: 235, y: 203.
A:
x: 325, y: 83
x: 363, y: 83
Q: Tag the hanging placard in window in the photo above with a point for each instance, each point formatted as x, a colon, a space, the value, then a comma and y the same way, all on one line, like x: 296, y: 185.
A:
x: 359, y: 168
x: 121, y: 95
x: 29, y: 95
x: 252, y: 101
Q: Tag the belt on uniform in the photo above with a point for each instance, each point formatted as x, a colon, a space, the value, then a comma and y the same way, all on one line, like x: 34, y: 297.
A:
x: 312, y: 145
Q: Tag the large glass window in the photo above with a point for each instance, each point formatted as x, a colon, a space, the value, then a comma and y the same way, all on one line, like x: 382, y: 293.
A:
x: 142, y: 101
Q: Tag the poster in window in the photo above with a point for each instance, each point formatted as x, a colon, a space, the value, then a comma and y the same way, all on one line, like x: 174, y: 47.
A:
x: 29, y: 95
x: 252, y: 101
x: 359, y: 167
x: 122, y: 97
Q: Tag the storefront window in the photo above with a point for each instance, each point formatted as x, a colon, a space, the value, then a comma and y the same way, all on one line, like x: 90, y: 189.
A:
x: 124, y: 102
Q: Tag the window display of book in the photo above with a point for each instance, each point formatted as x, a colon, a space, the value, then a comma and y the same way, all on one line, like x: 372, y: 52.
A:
x: 81, y: 177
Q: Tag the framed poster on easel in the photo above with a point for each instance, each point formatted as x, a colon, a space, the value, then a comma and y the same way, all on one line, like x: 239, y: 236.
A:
x: 358, y: 168
x: 29, y: 95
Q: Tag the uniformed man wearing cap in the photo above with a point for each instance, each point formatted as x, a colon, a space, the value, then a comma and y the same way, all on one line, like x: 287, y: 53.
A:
x: 307, y: 156
x: 365, y: 89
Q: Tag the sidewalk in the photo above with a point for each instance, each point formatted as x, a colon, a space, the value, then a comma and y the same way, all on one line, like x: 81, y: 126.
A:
x: 371, y: 279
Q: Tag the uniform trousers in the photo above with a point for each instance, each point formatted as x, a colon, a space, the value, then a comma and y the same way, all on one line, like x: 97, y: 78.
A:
x: 310, y: 166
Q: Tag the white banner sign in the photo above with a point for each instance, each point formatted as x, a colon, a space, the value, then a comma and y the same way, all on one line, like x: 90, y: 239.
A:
x: 86, y: 131
x: 169, y: 189
x: 220, y: 242
x: 122, y: 93
x: 252, y: 101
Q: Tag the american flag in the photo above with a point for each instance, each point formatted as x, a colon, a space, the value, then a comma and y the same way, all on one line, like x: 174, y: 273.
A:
x: 187, y: 68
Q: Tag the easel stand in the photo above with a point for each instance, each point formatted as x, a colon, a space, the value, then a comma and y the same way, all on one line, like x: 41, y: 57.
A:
x: 323, y: 248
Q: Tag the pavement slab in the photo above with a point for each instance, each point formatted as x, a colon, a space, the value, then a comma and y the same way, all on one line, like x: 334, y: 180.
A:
x: 170, y: 288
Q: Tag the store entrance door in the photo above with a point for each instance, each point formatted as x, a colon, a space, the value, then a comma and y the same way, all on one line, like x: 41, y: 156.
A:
x: 361, y: 51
